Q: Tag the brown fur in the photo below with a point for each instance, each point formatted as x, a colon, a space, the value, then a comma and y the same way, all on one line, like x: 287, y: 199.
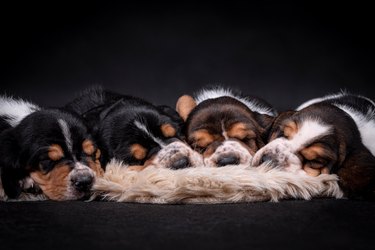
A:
x: 278, y: 124
x: 357, y: 174
x: 96, y: 167
x: 240, y: 131
x: 202, y: 138
x: 341, y: 152
x: 138, y: 151
x: 290, y: 129
x: 55, y: 152
x: 168, y: 130
x: 54, y: 184
x: 185, y: 104
x: 211, y: 149
x: 88, y: 147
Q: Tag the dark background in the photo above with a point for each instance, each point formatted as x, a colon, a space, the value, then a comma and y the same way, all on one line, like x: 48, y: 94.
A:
x: 286, y: 53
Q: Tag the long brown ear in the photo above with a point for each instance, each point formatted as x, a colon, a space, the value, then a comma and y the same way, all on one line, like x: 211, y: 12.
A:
x: 185, y: 104
x: 357, y: 174
x: 265, y: 121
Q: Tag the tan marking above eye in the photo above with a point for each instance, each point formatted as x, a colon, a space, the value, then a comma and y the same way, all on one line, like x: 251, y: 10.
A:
x: 55, y: 152
x: 240, y: 131
x: 290, y: 129
x: 168, y: 130
x: 88, y: 147
x: 138, y: 151
x: 202, y: 138
x: 313, y: 152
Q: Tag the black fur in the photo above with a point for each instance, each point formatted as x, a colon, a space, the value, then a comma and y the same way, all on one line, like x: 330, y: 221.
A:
x: 111, y: 118
x: 24, y: 148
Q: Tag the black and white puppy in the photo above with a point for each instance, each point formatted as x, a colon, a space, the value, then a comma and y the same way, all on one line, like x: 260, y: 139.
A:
x: 226, y: 127
x: 332, y: 134
x: 45, y: 150
x: 134, y: 131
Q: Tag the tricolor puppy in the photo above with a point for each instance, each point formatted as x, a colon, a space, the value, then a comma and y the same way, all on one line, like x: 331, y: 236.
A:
x: 333, y: 134
x: 227, y: 128
x: 135, y: 131
x: 45, y: 150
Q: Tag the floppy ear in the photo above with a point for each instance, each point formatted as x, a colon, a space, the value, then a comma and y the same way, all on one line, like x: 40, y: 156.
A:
x: 11, y: 172
x: 185, y: 104
x: 170, y: 112
x: 357, y: 174
x: 265, y: 122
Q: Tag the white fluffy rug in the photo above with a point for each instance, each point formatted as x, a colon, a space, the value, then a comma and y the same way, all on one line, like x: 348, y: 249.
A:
x: 205, y: 185
x: 211, y: 185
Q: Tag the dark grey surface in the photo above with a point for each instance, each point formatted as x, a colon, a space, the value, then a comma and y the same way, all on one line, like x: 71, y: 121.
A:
x: 316, y: 224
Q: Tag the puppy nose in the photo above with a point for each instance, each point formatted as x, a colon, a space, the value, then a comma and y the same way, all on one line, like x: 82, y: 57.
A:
x: 83, y: 182
x: 228, y: 160
x: 182, y: 162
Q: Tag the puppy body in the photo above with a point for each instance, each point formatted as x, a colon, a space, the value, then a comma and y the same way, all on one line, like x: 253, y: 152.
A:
x: 134, y: 131
x: 333, y: 134
x: 225, y: 127
x: 361, y: 109
x: 45, y: 150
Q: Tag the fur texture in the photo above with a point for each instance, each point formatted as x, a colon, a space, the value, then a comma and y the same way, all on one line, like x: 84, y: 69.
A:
x: 211, y: 185
x: 204, y: 185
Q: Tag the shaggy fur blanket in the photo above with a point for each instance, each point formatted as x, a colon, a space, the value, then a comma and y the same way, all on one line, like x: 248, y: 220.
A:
x: 205, y: 185
x: 228, y: 184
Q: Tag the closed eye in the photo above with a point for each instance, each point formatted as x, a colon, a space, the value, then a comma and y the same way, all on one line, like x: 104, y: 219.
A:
x: 316, y: 163
x: 198, y: 148
x: 47, y: 164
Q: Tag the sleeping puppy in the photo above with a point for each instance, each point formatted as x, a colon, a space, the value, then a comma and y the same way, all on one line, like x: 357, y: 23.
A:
x: 332, y: 134
x: 225, y: 127
x: 134, y: 131
x: 45, y: 151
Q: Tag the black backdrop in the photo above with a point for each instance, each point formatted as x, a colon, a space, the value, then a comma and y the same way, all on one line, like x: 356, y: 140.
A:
x: 285, y: 53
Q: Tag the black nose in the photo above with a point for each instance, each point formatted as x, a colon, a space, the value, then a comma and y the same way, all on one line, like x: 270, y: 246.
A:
x: 83, y: 182
x: 228, y: 160
x: 266, y: 158
x: 182, y: 162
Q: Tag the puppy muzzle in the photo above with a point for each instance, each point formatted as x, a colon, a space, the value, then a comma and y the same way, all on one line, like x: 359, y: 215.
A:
x: 278, y: 153
x: 81, y: 178
x: 230, y: 152
x: 177, y: 155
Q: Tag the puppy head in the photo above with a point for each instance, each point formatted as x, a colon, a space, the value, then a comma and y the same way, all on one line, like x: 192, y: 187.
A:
x: 321, y: 139
x: 55, y: 151
x: 300, y: 142
x: 223, y: 129
x: 148, y: 135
